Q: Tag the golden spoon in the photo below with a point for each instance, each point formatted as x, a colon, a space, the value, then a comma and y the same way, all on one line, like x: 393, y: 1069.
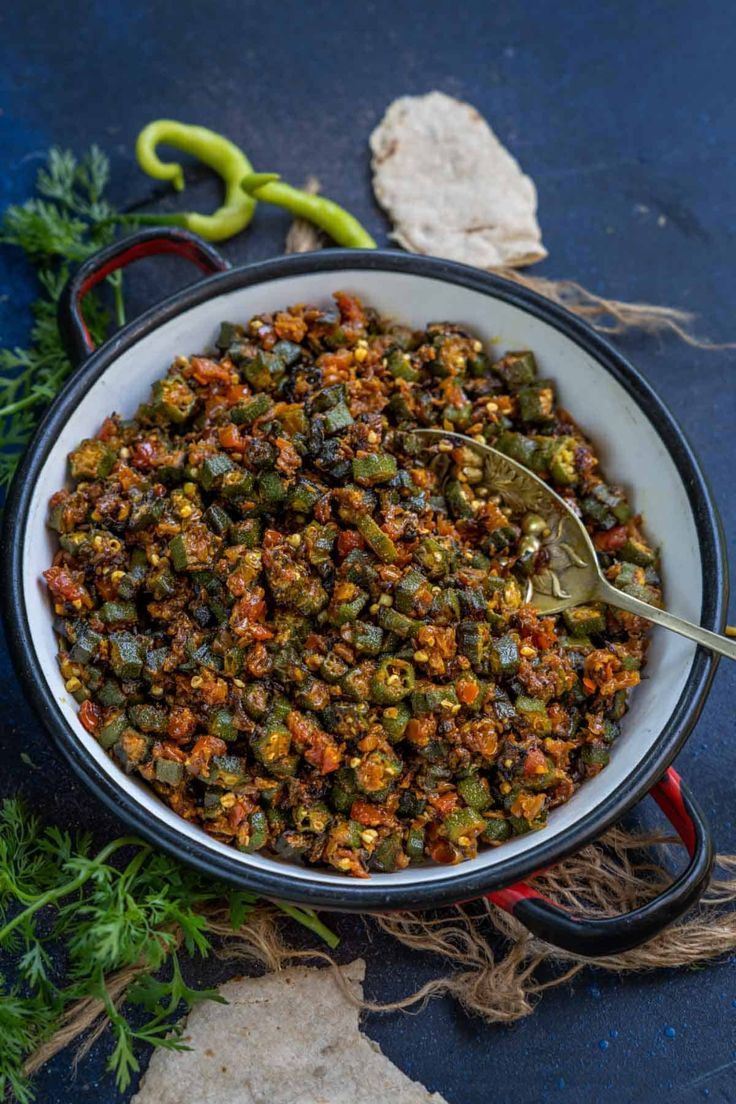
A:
x: 572, y: 575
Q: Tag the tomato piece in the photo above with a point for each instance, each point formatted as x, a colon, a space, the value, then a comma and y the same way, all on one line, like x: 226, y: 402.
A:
x: 612, y: 540
x: 90, y: 715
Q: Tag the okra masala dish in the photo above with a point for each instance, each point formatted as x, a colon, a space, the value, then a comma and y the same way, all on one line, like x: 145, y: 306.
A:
x: 306, y: 630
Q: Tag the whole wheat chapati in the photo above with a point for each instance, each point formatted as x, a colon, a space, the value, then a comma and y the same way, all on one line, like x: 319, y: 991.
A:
x: 290, y: 1037
x: 449, y: 186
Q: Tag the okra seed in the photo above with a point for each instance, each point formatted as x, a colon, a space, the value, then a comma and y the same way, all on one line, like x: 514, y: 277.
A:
x: 528, y: 545
x: 533, y: 525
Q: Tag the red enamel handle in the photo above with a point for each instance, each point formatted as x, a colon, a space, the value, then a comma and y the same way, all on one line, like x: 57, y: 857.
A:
x: 143, y: 243
x: 613, y: 935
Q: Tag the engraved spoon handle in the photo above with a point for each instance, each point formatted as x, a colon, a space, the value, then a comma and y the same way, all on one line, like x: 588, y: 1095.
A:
x: 605, y: 592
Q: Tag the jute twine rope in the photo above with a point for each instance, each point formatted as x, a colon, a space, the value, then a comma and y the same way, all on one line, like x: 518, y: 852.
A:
x: 488, y: 961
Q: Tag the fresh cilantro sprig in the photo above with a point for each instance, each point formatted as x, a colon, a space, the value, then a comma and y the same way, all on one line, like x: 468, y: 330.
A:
x: 70, y: 919
x: 67, y: 220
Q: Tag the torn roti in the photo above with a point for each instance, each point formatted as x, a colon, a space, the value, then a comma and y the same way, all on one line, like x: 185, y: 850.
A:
x: 287, y: 1038
x: 449, y: 186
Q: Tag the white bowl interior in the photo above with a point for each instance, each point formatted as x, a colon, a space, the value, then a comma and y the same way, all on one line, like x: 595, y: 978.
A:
x: 630, y: 449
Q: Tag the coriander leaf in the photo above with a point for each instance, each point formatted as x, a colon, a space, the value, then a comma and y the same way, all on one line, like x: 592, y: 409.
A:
x: 67, y: 221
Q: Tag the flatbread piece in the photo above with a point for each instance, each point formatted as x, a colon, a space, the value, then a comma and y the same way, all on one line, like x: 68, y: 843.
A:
x: 286, y: 1038
x: 449, y: 186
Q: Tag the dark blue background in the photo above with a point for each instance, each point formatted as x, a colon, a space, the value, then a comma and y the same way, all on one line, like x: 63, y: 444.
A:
x: 623, y: 113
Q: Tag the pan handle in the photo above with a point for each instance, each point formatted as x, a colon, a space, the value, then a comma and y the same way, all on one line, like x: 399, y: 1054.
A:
x: 615, y: 934
x: 143, y: 243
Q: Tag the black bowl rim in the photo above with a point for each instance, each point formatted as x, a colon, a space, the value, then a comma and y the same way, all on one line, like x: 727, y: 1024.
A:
x: 462, y: 882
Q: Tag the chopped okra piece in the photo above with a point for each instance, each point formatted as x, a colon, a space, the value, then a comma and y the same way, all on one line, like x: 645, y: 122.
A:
x: 377, y: 540
x: 496, y: 830
x: 638, y: 552
x: 227, y: 771
x: 400, y: 366
x: 149, y: 718
x: 517, y: 369
x: 248, y: 533
x: 217, y: 519
x: 428, y: 698
x: 413, y: 594
x: 264, y: 371
x: 304, y: 496
x: 174, y: 398
x: 236, y: 485
x: 337, y: 419
x: 475, y: 792
x: 367, y: 639
x: 459, y: 499
x: 257, y: 831
x: 463, y: 826
x: 344, y: 790
x: 373, y: 468
x: 517, y: 446
x: 583, y: 620
x: 387, y: 853
x: 194, y: 548
x: 535, y: 713
x: 213, y: 468
x: 126, y: 655
x: 349, y: 604
x: 333, y: 668
x: 394, y: 719
x: 433, y: 557
x: 312, y: 818
x: 271, y: 745
x: 415, y: 844
x: 473, y: 641
x: 246, y: 412
x: 86, y: 646
x: 537, y: 403
x: 221, y: 723
x: 504, y: 655
x: 393, y: 621
x: 595, y: 756
x: 110, y: 694
x: 562, y: 462
x: 114, y: 613
x: 392, y: 681
x: 94, y: 459
x: 131, y: 749
x: 112, y: 730
x: 272, y: 489
x: 169, y: 772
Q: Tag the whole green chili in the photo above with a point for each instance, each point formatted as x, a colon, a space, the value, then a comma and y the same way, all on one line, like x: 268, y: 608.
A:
x: 342, y: 227
x: 213, y: 149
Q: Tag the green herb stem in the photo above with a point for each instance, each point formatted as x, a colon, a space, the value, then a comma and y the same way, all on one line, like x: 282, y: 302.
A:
x: 70, y: 887
x: 309, y: 919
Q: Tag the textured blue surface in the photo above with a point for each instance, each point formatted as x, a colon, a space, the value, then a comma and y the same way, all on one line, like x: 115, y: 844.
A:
x: 625, y: 115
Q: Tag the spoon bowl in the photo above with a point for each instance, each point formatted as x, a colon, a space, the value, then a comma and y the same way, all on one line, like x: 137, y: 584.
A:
x: 570, y: 575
